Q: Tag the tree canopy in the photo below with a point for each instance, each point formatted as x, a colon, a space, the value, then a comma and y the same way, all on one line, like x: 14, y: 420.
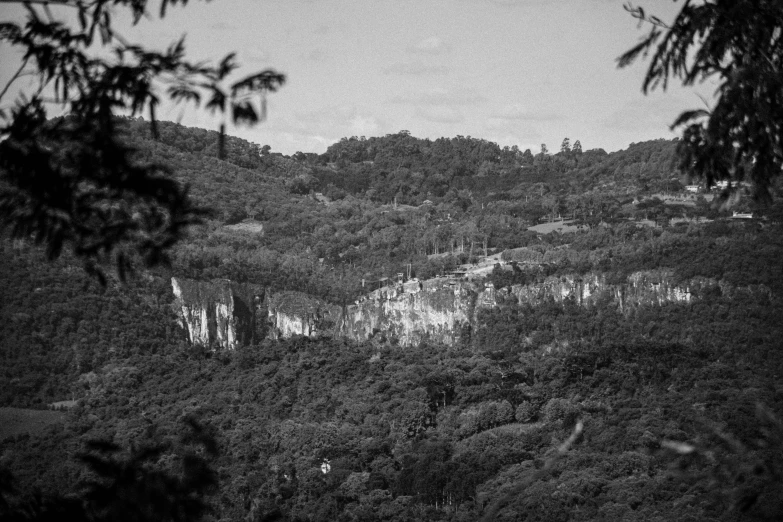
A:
x: 739, y: 43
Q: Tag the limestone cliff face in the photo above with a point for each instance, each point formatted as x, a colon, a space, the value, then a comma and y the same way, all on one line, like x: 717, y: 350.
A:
x: 224, y: 314
x: 219, y: 314
x: 295, y: 313
x: 438, y: 310
x: 647, y: 288
x: 658, y: 287
x: 409, y: 313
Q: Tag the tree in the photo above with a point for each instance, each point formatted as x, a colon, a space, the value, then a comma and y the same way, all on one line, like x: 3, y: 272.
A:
x: 132, y: 486
x: 565, y: 147
x: 544, y: 150
x: 577, y: 147
x: 74, y: 180
x: 738, y: 43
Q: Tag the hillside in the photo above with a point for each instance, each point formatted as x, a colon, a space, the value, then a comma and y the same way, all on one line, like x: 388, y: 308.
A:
x: 670, y: 407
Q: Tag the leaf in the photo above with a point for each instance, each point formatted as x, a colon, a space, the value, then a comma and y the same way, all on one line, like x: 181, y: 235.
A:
x: 227, y: 65
x: 642, y: 47
x: 217, y: 101
x: 268, y: 80
x: 688, y: 116
x: 244, y: 113
x: 183, y: 92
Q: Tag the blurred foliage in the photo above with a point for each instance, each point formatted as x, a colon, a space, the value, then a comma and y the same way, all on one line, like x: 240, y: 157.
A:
x: 736, y: 44
x: 74, y: 182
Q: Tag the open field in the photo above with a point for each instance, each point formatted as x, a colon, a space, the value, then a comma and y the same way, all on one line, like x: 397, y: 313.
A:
x: 563, y: 227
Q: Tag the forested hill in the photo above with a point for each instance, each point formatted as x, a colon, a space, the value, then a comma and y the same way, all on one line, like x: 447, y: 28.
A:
x: 322, y: 223
x: 329, y: 429
x: 413, y: 170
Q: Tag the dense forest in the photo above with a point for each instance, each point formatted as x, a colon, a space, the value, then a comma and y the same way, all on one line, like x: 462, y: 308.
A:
x: 550, y: 412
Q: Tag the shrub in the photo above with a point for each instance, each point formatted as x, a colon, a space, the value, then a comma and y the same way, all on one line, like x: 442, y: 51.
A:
x: 557, y: 409
x: 526, y: 412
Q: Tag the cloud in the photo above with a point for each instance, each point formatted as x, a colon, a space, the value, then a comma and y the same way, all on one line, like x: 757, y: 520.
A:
x: 322, y: 119
x: 255, y: 56
x: 315, y: 55
x: 439, y: 96
x: 509, y: 132
x: 524, y: 140
x: 415, y: 69
x: 652, y: 112
x: 508, y: 3
x: 440, y: 114
x: 332, y: 123
x: 285, y: 141
x: 432, y: 46
x: 518, y: 112
x: 223, y: 26
x: 364, y: 126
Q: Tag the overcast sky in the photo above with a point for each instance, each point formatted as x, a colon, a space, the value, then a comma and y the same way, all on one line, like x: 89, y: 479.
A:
x: 517, y: 72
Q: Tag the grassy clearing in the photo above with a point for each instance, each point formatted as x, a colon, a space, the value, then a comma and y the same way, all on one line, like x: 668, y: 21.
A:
x: 563, y: 227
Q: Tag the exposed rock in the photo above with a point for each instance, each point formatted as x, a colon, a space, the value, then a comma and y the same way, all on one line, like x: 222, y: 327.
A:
x: 295, y: 313
x: 410, y: 313
x: 440, y: 310
x: 654, y: 287
x: 219, y: 313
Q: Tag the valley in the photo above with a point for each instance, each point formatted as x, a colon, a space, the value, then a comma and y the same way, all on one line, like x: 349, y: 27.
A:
x: 413, y: 329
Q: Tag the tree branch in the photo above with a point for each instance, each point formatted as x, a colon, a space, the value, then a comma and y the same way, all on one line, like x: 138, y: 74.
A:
x: 64, y: 3
x: 15, y: 76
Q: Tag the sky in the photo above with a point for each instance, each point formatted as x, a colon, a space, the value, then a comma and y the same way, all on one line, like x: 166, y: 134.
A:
x: 516, y: 72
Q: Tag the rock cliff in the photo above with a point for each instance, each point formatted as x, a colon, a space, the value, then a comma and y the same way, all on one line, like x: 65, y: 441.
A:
x: 295, y: 313
x: 434, y: 310
x: 647, y: 288
x: 439, y: 310
x: 219, y: 314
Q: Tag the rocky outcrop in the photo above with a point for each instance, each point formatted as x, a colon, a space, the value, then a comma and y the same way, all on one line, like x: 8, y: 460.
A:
x: 295, y: 313
x: 225, y: 314
x: 409, y: 313
x: 440, y: 310
x: 219, y: 314
x: 647, y: 288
